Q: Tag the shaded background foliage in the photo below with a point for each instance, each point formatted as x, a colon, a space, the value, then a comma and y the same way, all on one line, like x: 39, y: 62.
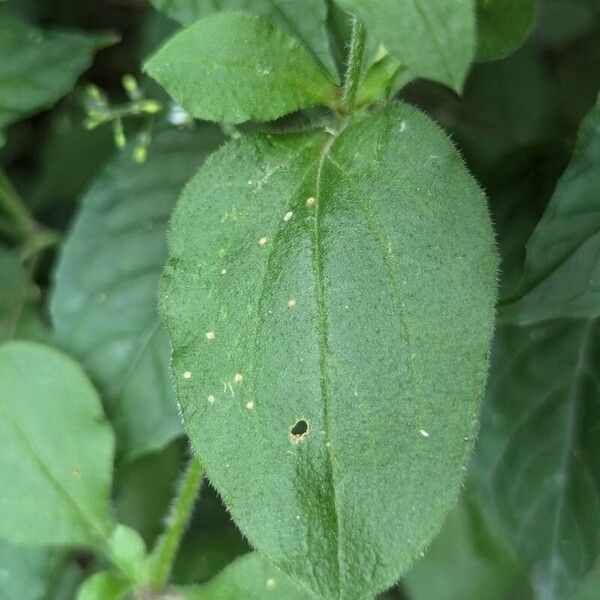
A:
x: 516, y: 126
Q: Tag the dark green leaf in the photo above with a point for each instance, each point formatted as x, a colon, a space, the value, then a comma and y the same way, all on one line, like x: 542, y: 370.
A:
x: 249, y: 577
x: 304, y: 20
x: 502, y: 25
x: 104, y: 299
x: 57, y: 450
x: 562, y: 268
x: 539, y: 449
x: 464, y: 562
x: 134, y: 506
x: 14, y: 286
x: 307, y: 285
x: 233, y: 67
x: 38, y: 67
x: 432, y: 38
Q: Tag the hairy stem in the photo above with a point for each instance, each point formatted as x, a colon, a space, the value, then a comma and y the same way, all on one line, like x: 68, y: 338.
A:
x: 165, y: 551
x: 354, y: 65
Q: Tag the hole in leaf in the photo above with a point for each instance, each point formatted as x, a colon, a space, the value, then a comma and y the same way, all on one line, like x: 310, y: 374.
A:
x: 299, y: 430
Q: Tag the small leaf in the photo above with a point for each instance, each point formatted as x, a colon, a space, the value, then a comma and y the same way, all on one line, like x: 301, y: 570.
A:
x: 502, y: 26
x: 39, y: 67
x: 57, y: 450
x: 233, y: 67
x: 104, y: 298
x: 305, y: 20
x: 432, y: 38
x: 306, y: 287
x: 539, y: 449
x: 249, y: 577
x: 562, y: 269
x: 128, y: 553
x: 106, y: 585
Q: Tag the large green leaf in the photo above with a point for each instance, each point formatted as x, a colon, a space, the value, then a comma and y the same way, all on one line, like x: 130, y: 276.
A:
x: 349, y: 294
x: 249, y: 577
x: 38, y: 67
x: 104, y: 298
x: 562, y: 269
x: 432, y: 38
x: 502, y: 25
x: 539, y: 449
x: 234, y: 67
x: 305, y: 20
x: 57, y: 450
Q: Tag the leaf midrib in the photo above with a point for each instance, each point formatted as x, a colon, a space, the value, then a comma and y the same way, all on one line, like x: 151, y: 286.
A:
x: 324, y: 351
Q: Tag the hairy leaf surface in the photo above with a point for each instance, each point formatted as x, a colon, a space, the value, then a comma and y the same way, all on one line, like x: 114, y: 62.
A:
x: 306, y: 20
x: 540, y: 449
x: 502, y: 26
x: 432, y: 38
x: 104, y: 298
x: 57, y: 450
x: 330, y: 303
x: 250, y: 577
x: 38, y: 67
x: 234, y: 67
x: 562, y: 268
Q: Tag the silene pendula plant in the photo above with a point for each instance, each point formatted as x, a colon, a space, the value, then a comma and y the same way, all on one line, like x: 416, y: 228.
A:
x: 325, y: 315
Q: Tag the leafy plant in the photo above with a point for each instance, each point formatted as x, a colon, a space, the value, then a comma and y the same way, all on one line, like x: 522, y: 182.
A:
x: 288, y: 281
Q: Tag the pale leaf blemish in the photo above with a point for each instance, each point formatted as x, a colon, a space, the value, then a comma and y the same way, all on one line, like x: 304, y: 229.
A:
x: 288, y: 215
x: 101, y: 297
x: 271, y: 583
x: 263, y: 241
x: 311, y: 201
x: 250, y: 405
x: 187, y: 375
x: 403, y: 126
x: 211, y: 399
x: 223, y: 271
x: 424, y: 433
x: 292, y: 303
x: 238, y: 378
x: 209, y: 335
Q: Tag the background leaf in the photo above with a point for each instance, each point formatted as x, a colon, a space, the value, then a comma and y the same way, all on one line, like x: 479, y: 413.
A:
x: 232, y: 68
x: 465, y: 562
x: 432, y: 38
x: 306, y: 20
x: 250, y: 577
x: 57, y: 450
x: 39, y: 67
x: 29, y: 573
x: 562, y: 269
x: 278, y: 317
x: 502, y: 25
x: 538, y: 453
x: 104, y: 297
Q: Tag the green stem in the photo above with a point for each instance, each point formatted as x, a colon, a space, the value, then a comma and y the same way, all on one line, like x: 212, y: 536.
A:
x: 165, y: 551
x: 354, y: 65
x: 14, y: 207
